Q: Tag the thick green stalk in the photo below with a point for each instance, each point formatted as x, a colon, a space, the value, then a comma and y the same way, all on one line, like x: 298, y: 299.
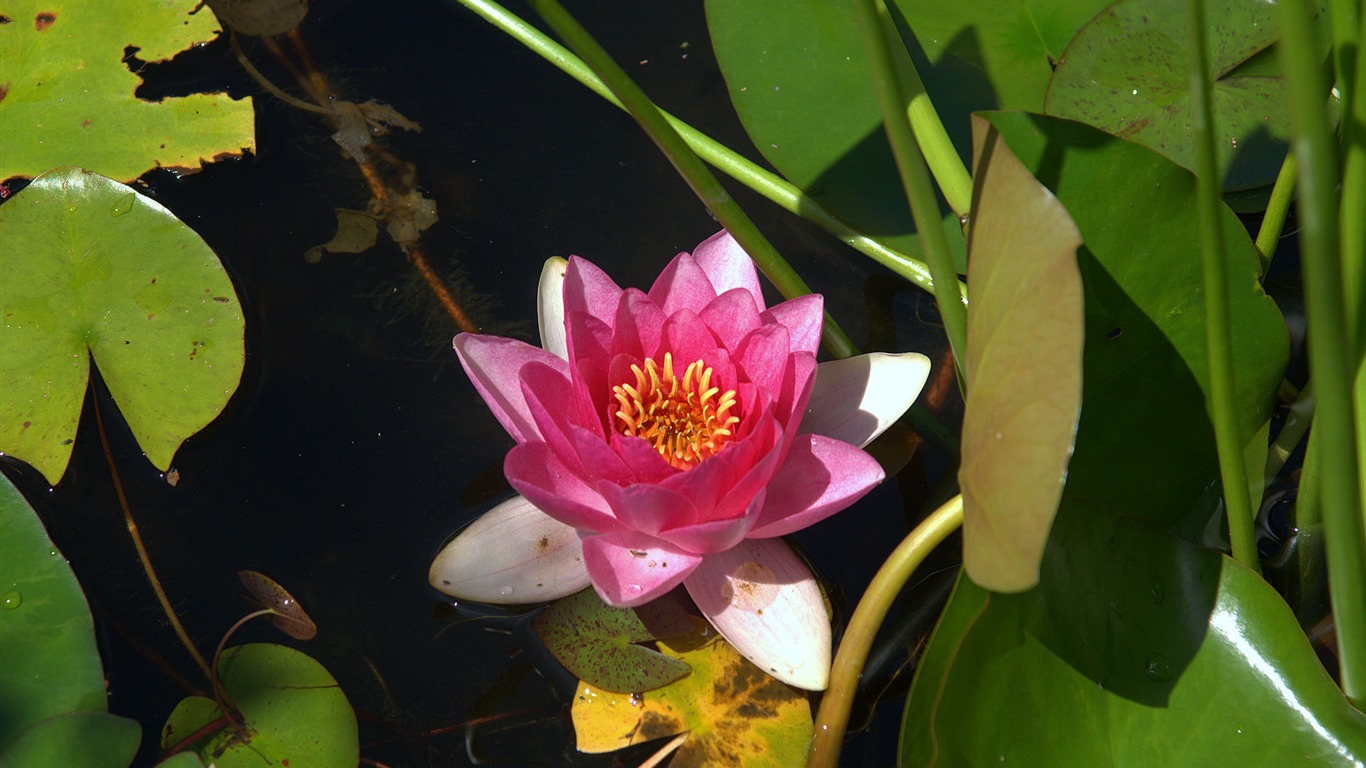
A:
x: 775, y: 188
x: 1331, y: 358
x: 1218, y: 322
x: 1273, y: 219
x: 1353, y: 205
x: 915, y: 177
x: 688, y: 164
x: 833, y: 716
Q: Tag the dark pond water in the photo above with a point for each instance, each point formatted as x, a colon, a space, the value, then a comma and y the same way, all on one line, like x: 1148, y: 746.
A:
x: 356, y: 445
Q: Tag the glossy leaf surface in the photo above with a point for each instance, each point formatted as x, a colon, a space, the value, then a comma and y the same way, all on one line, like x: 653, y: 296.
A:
x: 290, y: 617
x: 90, y: 268
x: 598, y: 643
x: 294, y: 711
x: 71, y: 99
x: 734, y: 714
x: 1022, y: 367
x: 90, y: 739
x: 49, y: 664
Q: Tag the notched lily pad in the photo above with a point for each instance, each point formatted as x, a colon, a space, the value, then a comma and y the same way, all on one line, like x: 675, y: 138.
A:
x: 290, y: 617
x: 597, y: 642
x: 90, y: 268
x: 734, y: 713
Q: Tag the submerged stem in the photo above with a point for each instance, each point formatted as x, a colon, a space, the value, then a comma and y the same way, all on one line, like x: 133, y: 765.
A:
x: 833, y: 717
x: 143, y: 558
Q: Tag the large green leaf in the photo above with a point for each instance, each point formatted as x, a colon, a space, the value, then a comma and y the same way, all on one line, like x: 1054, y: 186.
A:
x: 1135, y: 650
x: 74, y: 740
x: 88, y: 267
x: 1022, y: 367
x: 1125, y: 72
x: 49, y: 664
x: 800, y: 83
x: 293, y: 710
x: 66, y: 93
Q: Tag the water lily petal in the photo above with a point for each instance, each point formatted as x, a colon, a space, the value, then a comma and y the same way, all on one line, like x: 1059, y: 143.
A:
x: 642, y: 458
x: 545, y: 390
x: 728, y: 266
x: 855, y: 399
x: 762, y: 358
x: 514, y: 553
x: 820, y: 477
x: 589, y: 290
x: 716, y: 535
x: 648, y: 508
x: 536, y: 473
x: 763, y: 599
x: 803, y: 316
x: 689, y: 339
x: 731, y: 316
x: 494, y: 364
x: 639, y: 327
x: 630, y: 569
x: 550, y: 307
x: 682, y: 285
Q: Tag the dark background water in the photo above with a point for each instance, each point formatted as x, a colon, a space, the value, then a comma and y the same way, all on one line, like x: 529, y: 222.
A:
x: 356, y: 446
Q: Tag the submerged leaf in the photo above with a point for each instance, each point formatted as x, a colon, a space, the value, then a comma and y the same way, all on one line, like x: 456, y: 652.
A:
x: 70, y: 93
x: 597, y: 642
x: 90, y: 268
x: 289, y: 617
x: 734, y: 713
x: 1022, y: 367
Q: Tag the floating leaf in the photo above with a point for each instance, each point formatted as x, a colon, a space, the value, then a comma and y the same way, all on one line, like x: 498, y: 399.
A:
x: 293, y: 710
x: 733, y: 712
x: 70, y: 97
x: 260, y: 17
x: 597, y: 642
x: 1022, y: 367
x: 74, y: 740
x: 356, y: 233
x: 290, y: 617
x: 49, y: 664
x: 1125, y: 73
x: 88, y: 267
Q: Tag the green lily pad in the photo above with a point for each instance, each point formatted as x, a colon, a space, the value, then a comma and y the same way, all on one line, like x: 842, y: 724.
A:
x: 1022, y: 368
x: 50, y: 665
x: 74, y: 740
x: 66, y: 94
x: 734, y: 713
x: 292, y: 709
x: 1125, y: 72
x: 90, y: 268
x: 597, y: 642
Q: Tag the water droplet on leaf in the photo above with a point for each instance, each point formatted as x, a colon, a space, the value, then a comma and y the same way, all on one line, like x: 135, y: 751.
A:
x: 11, y: 600
x: 505, y: 591
x: 1158, y: 670
x: 124, y: 205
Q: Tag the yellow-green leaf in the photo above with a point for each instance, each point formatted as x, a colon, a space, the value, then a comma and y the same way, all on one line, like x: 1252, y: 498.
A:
x: 733, y: 712
x: 1022, y: 367
x: 68, y: 96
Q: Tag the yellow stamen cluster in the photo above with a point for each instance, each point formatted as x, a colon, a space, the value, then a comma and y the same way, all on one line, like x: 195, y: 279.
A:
x: 685, y: 419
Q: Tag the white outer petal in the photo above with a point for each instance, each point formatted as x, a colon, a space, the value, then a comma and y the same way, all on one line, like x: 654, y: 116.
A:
x: 763, y: 599
x: 512, y: 554
x: 855, y: 399
x: 550, y: 307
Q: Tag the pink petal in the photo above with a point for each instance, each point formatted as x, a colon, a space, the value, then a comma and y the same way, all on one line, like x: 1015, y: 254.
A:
x: 803, y: 318
x: 820, y: 477
x: 494, y: 365
x: 546, y: 391
x: 536, y: 473
x: 639, y: 327
x: 588, y: 289
x: 762, y: 357
x: 763, y: 599
x: 642, y: 458
x: 630, y: 569
x: 600, y: 461
x: 855, y: 399
x: 550, y: 308
x: 689, y: 339
x: 512, y: 554
x: 728, y: 266
x: 731, y: 316
x: 714, y: 536
x: 588, y: 338
x: 682, y: 285
x: 648, y: 508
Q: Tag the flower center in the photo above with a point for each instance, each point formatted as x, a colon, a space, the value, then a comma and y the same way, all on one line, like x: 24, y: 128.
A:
x: 686, y: 419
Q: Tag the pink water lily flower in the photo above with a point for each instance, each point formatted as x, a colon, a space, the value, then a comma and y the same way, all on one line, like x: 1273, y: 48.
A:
x: 671, y: 437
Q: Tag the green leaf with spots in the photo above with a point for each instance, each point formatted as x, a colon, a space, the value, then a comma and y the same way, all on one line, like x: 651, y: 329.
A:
x: 291, y: 710
x: 597, y: 642
x: 90, y: 268
x: 67, y: 95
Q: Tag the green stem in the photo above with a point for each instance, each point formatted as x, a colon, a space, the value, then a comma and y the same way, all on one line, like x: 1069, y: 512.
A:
x: 1273, y: 220
x: 1292, y: 431
x: 1218, y: 322
x: 833, y: 717
x: 1331, y: 357
x: 877, y: 26
x: 776, y: 189
x: 689, y: 165
x: 1353, y: 231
